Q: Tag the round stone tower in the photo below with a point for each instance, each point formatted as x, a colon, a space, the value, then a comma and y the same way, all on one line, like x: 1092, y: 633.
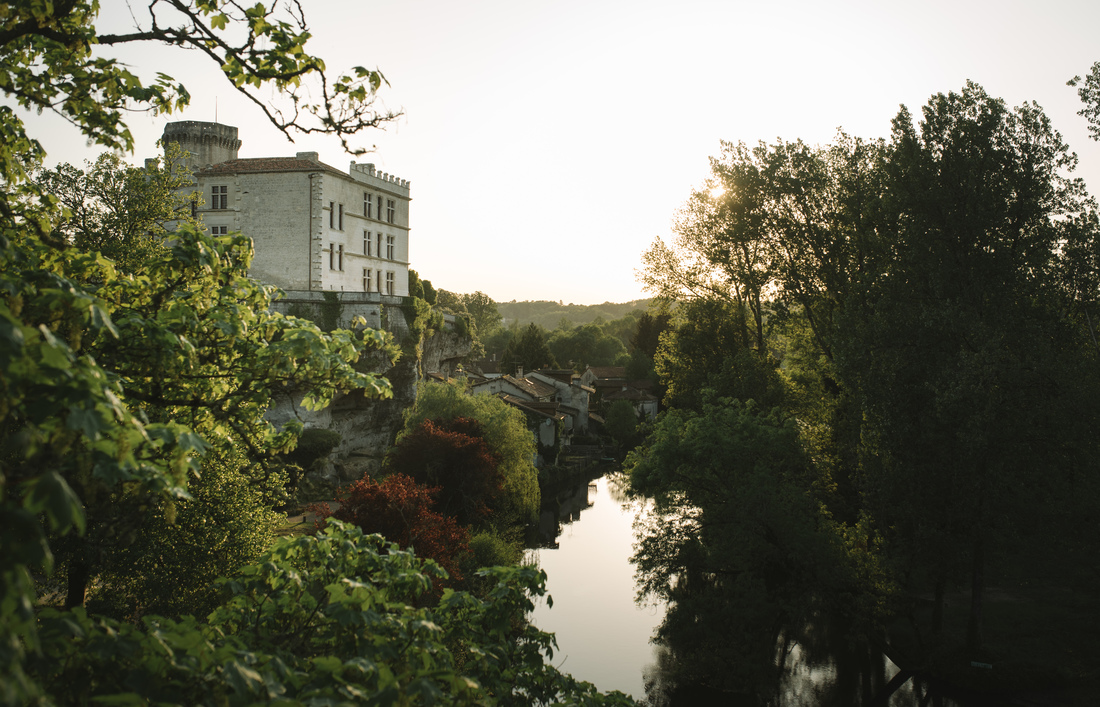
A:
x: 203, y: 143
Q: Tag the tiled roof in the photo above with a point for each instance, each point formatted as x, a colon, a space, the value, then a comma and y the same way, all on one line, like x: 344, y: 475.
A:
x: 604, y: 372
x: 257, y: 165
x: 534, y: 388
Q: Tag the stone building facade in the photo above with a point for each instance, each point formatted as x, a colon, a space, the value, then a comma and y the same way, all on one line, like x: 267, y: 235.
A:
x: 314, y: 228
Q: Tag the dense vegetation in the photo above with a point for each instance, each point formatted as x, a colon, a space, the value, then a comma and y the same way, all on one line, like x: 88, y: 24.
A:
x: 136, y: 464
x: 883, y: 383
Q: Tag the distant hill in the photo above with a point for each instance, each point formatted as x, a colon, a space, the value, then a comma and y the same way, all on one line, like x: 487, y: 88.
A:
x: 549, y: 314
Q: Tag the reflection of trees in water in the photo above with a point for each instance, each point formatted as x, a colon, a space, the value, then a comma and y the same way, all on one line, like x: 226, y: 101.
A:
x: 707, y: 655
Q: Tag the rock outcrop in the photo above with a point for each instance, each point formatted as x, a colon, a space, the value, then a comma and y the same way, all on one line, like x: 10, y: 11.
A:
x: 369, y: 427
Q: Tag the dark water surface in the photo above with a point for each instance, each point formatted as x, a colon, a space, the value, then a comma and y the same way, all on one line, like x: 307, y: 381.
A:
x: 586, y: 538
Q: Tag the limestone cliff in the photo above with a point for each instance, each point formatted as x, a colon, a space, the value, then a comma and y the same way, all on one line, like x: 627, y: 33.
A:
x: 369, y: 427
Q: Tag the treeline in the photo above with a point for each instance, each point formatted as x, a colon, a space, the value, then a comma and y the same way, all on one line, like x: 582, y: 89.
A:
x: 551, y: 315
x: 883, y: 385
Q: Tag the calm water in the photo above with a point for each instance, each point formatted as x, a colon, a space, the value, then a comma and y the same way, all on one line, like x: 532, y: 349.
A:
x: 603, y: 636
x: 587, y: 538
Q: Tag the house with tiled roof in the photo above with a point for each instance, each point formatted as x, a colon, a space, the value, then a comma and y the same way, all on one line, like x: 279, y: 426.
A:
x: 314, y: 228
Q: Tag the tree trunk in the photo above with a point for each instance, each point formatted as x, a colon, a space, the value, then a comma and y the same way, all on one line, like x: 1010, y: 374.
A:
x: 977, y: 589
x: 79, y: 574
x: 937, y: 607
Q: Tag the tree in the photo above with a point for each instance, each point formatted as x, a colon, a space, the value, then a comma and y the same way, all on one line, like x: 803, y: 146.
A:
x: 505, y: 431
x: 1089, y: 93
x: 647, y: 335
x: 528, y: 350
x: 962, y: 344
x: 706, y: 350
x: 622, y: 423
x: 123, y: 212
x: 452, y: 456
x: 483, y: 312
x: 585, y: 345
x: 70, y: 429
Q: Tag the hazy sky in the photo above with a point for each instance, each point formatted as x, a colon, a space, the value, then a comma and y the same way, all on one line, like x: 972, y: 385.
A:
x: 548, y: 144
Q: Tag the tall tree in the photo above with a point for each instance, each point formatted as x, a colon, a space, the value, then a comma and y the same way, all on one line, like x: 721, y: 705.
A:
x: 528, y: 350
x: 123, y: 212
x: 961, y: 345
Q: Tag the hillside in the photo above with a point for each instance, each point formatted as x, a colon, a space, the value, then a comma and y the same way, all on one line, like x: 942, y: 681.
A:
x: 549, y: 314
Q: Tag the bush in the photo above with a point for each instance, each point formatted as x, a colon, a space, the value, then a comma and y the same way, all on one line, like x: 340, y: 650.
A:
x: 401, y: 510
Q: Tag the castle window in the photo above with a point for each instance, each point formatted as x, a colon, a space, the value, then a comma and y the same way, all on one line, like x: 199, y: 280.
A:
x: 219, y: 196
x: 366, y: 279
x: 390, y: 210
x: 341, y: 252
x: 219, y: 230
x: 389, y: 247
x: 367, y: 205
x: 379, y: 280
x: 332, y: 214
x: 389, y: 283
x: 379, y: 207
x: 366, y: 242
x: 331, y: 256
x: 341, y: 219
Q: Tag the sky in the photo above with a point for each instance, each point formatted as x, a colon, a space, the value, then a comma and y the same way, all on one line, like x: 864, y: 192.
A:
x: 549, y: 143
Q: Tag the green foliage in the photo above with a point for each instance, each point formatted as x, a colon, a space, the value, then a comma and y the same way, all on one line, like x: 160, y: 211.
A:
x: 50, y: 65
x: 549, y: 314
x: 737, y: 546
x: 1089, y: 93
x: 123, y: 212
x: 585, y: 346
x: 708, y: 349
x: 172, y: 563
x: 416, y: 287
x: 339, y: 617
x: 621, y: 423
x: 932, y: 299
x: 483, y: 313
x: 505, y: 431
x: 529, y: 350
x: 330, y: 311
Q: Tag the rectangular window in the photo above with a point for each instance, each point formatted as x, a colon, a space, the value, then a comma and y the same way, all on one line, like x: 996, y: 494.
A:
x: 366, y: 242
x: 219, y: 230
x: 331, y: 256
x: 390, y: 210
x: 389, y: 247
x: 379, y: 280
x: 367, y: 205
x: 379, y: 216
x: 219, y: 197
x: 366, y: 279
x: 332, y: 214
x: 389, y: 283
x: 341, y: 256
x: 341, y: 217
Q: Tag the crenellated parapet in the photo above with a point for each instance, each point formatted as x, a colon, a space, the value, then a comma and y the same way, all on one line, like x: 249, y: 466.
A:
x: 367, y: 174
x: 204, y: 143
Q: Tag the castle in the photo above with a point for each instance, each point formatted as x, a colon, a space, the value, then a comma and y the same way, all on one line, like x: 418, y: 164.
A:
x: 314, y: 228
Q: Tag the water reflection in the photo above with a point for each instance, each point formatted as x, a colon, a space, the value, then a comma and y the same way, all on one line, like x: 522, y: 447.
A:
x: 585, y: 539
x: 585, y: 542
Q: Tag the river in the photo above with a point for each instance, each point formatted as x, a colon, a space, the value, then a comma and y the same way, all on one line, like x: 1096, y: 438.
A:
x: 586, y: 538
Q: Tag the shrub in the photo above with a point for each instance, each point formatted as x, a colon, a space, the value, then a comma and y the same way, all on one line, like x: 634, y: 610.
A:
x: 401, y: 510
